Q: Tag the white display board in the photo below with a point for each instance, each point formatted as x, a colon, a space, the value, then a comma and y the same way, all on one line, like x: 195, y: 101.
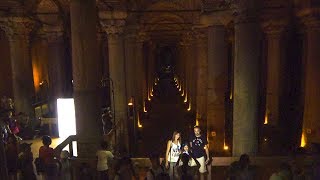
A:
x: 67, y: 121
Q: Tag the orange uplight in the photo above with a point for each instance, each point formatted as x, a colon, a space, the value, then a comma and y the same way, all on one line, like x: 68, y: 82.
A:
x: 130, y: 103
x: 266, y: 118
x: 144, y: 108
x: 186, y: 99
x: 197, y: 122
x: 303, y: 139
x: 139, y: 124
x: 189, y: 108
x: 36, y: 77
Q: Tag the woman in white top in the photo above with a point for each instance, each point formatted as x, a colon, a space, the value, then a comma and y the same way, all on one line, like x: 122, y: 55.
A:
x: 172, y: 154
x: 103, y: 157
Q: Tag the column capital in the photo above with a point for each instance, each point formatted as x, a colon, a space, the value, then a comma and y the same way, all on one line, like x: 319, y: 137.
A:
x: 52, y: 33
x: 142, y: 36
x: 17, y: 28
x: 245, y: 16
x: 274, y: 27
x: 310, y: 17
x: 200, y: 33
x: 113, y: 27
x: 187, y: 39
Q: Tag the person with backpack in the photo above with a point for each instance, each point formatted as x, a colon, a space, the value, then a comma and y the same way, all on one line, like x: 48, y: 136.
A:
x: 172, y: 154
x: 156, y: 171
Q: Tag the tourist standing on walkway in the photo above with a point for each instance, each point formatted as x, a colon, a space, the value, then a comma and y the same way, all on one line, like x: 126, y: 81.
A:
x: 103, y: 156
x: 200, y: 150
x: 172, y: 154
x: 48, y: 159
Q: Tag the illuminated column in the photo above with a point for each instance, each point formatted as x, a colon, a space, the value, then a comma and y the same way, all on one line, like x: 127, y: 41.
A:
x: 118, y: 76
x: 140, y: 79
x: 18, y: 30
x: 187, y: 41
x: 201, y: 76
x: 273, y: 30
x: 246, y: 84
x: 311, y: 118
x: 57, y: 60
x: 150, y: 68
x: 217, y: 86
x: 86, y: 76
x: 130, y: 49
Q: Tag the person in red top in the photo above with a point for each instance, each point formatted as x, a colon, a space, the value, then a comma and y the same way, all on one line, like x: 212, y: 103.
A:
x: 48, y: 158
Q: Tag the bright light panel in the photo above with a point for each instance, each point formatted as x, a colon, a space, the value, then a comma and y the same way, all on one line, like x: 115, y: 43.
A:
x: 67, y: 121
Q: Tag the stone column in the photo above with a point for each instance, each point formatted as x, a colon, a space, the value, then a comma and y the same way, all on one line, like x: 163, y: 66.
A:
x: 311, y: 118
x: 246, y: 84
x: 140, y: 80
x: 18, y: 30
x: 86, y: 76
x: 217, y: 86
x: 118, y: 76
x: 187, y: 42
x: 130, y: 68
x: 274, y: 68
x: 201, y: 76
x: 57, y: 65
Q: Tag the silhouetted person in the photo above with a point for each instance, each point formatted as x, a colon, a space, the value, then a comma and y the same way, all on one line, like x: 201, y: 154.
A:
x: 241, y: 170
x: 26, y: 162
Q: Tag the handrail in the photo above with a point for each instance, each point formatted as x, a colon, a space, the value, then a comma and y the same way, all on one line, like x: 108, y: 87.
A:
x: 66, y: 142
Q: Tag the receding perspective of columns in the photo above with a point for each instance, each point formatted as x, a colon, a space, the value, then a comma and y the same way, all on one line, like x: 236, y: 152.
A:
x: 202, y: 76
x: 311, y: 116
x: 118, y: 76
x: 18, y: 30
x: 86, y: 76
x: 246, y: 84
x: 217, y: 86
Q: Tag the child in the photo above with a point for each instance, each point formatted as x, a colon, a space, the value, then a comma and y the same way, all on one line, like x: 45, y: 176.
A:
x: 186, y: 150
x: 47, y: 158
x: 25, y: 162
x: 103, y: 156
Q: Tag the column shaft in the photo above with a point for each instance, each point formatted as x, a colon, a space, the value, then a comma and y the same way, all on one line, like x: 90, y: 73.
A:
x: 311, y: 118
x: 117, y: 74
x: 246, y: 86
x: 201, y: 77
x: 217, y: 86
x: 22, y: 76
x: 86, y: 76
x: 273, y: 78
